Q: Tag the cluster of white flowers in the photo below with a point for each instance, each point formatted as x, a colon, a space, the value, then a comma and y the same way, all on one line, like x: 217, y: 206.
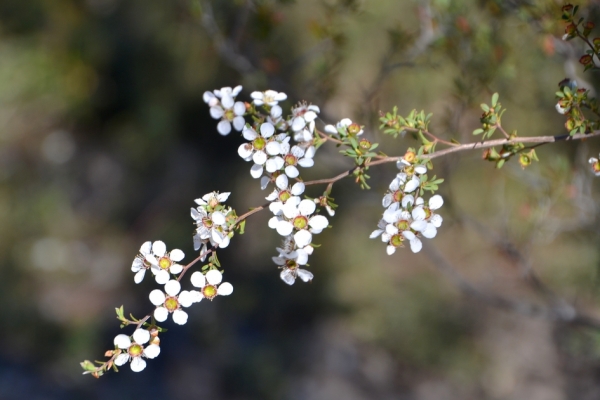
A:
x: 407, y: 217
x: 276, y: 160
x: 595, y: 165
x: 214, y: 224
x: 295, y: 220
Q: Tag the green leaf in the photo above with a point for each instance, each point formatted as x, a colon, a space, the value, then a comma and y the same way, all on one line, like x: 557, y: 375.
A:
x: 494, y: 99
x: 485, y: 107
x: 478, y: 131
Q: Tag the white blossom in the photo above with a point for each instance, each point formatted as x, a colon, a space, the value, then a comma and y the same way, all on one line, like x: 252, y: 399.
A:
x: 210, y: 285
x: 226, y: 109
x: 134, y: 351
x: 268, y: 97
x: 595, y: 165
x: 170, y: 302
x: 154, y: 256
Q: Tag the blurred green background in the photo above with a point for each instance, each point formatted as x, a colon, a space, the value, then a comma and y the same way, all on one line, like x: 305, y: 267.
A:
x: 105, y: 142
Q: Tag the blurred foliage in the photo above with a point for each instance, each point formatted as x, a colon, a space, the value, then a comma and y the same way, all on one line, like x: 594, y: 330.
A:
x: 105, y: 142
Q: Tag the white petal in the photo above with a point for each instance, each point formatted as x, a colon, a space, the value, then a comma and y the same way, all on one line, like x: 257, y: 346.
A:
x: 216, y: 112
x: 284, y: 228
x: 159, y: 248
x: 198, y: 279
x: 273, y: 148
x: 176, y: 268
x: 256, y: 171
x: 318, y: 222
x: 225, y: 289
x: 375, y: 233
x: 238, y: 123
x: 245, y: 151
x: 161, y: 314
x: 310, y: 116
x: 236, y: 90
x: 416, y: 245
x: 267, y: 130
x: 222, y: 197
x: 218, y: 218
x: 409, y: 235
x: 162, y: 277
x: 227, y: 100
x: 305, y: 275
x: 412, y: 185
x: 180, y: 317
x: 298, y: 124
x: 303, y: 238
x: 172, y: 287
x: 302, y: 257
x: 152, y: 351
x: 224, y: 127
x: 141, y: 336
x: 157, y: 297
x: 185, y: 298
x: 274, y: 164
x: 436, y: 220
x: 419, y: 225
x: 387, y: 200
x: 429, y: 232
x: 146, y: 248
x: 259, y: 157
x: 298, y: 188
x: 287, y: 276
x: 256, y: 95
x: 239, y: 108
x: 390, y: 250
x: 122, y: 341
x: 276, y: 112
x: 436, y: 202
x: 391, y: 230
x: 418, y: 213
x: 306, y: 162
x: 176, y: 255
x: 291, y: 171
x: 225, y: 242
x: 264, y: 181
x: 276, y: 207
x: 214, y: 277
x: 408, y: 199
x: 273, y: 222
x: 330, y: 129
x: 249, y: 134
x: 122, y: 359
x: 139, y: 276
x: 307, y: 207
x: 420, y: 169
x: 281, y: 182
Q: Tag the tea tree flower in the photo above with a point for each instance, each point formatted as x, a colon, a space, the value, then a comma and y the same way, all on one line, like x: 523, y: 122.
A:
x: 134, y: 351
x: 170, y: 302
x: 154, y: 256
x: 303, y: 114
x: 210, y: 285
x: 268, y: 97
x: 227, y: 109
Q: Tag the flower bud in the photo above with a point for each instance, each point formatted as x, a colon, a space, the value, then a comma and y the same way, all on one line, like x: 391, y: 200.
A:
x: 586, y: 59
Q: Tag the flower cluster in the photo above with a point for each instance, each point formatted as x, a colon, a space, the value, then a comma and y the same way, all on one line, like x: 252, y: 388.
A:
x: 154, y: 256
x: 407, y: 217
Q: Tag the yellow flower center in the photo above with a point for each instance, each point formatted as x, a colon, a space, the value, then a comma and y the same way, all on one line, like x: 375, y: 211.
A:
x: 135, y: 350
x: 397, y: 240
x: 209, y: 291
x: 300, y: 222
x: 171, y: 304
x: 164, y: 262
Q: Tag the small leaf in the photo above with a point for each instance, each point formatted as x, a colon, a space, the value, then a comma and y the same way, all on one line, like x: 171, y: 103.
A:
x: 494, y: 99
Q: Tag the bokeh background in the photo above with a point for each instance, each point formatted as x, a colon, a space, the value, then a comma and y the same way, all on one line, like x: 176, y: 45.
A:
x: 105, y: 142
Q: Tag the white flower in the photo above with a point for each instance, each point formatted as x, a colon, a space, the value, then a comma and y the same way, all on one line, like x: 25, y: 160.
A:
x: 227, y: 109
x: 297, y: 156
x: 297, y: 218
x: 170, y: 302
x: 343, y: 125
x: 302, y: 115
x: 213, y: 199
x: 133, y: 351
x: 283, y: 194
x: 305, y: 135
x: 425, y: 221
x: 595, y: 165
x: 154, y: 256
x: 269, y: 97
x: 210, y: 285
x: 290, y: 271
